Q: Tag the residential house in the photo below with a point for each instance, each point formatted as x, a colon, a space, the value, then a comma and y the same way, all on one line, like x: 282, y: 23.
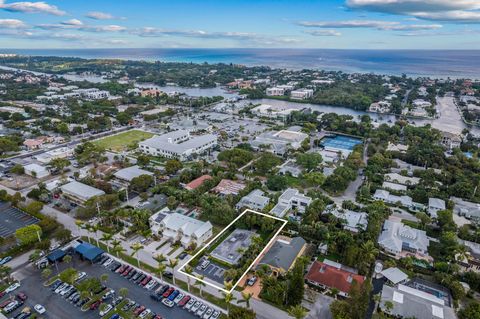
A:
x: 465, y: 208
x: 255, y: 200
x: 332, y: 275
x: 435, y: 205
x: 180, y: 228
x: 80, y: 192
x: 197, y: 182
x: 400, y: 240
x: 291, y: 199
x: 36, y: 170
x: 353, y: 221
x: 228, y: 187
x: 281, y: 255
x: 126, y: 175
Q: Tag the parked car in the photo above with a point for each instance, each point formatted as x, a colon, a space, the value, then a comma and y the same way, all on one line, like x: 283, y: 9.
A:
x: 182, y: 256
x: 168, y: 303
x: 205, y: 264
x: 173, y: 295
x: 22, y: 296
x: 252, y: 280
x: 95, y: 305
x: 39, y: 308
x: 195, y: 307
x: 139, y: 310
x: 145, y: 280
x: 178, y: 298
x: 128, y: 305
x: 5, y: 260
x: 207, y: 313
x: 201, y: 310
x: 81, y: 276
x: 162, y: 289
x: 215, y: 315
x: 184, y: 301
x: 168, y: 292
x: 12, y: 287
x: 105, y: 310
x: 156, y: 296
x: 190, y: 303
x: 168, y: 274
x: 145, y: 313
x: 109, y: 294
x: 151, y: 284
x: 115, y: 316
x: 12, y: 306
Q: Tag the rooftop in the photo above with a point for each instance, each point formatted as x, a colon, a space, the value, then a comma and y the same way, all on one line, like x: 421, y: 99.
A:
x: 131, y: 172
x: 283, y: 253
x: 329, y: 275
x: 196, y: 183
x: 81, y: 190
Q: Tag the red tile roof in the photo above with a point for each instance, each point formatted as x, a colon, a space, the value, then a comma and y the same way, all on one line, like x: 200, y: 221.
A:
x: 197, y: 182
x: 227, y: 187
x: 333, y: 277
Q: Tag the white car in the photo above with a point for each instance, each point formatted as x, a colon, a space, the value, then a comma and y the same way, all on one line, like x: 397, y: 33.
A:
x: 80, y: 276
x: 178, y: 298
x: 145, y: 313
x: 108, y: 262
x: 190, y: 303
x: 201, y: 311
x: 11, y: 306
x: 65, y: 290
x: 106, y: 310
x: 152, y: 283
x: 61, y: 287
x: 12, y: 287
x: 40, y: 309
x: 167, y: 302
x: 208, y: 313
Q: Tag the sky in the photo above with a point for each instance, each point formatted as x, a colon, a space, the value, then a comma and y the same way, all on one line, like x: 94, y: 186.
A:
x: 338, y: 24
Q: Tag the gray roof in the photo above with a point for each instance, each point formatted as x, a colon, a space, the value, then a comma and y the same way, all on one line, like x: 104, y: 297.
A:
x: 465, y: 208
x: 131, y: 172
x: 160, y: 142
x: 394, y: 275
x: 81, y: 190
x: 282, y: 254
x: 412, y: 303
x: 396, y: 237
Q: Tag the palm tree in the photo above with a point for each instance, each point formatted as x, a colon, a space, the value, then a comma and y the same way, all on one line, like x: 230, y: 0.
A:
x: 84, y: 294
x: 160, y: 270
x: 188, y: 270
x: 136, y: 247
x: 5, y: 273
x: 81, y: 226
x: 228, y: 297
x: 246, y: 296
x: 123, y: 292
x: 107, y: 237
x: 173, y: 264
x: 104, y: 278
x: 298, y: 312
x: 67, y: 259
x: 118, y: 249
x: 95, y: 229
x: 200, y: 283
x: 46, y: 273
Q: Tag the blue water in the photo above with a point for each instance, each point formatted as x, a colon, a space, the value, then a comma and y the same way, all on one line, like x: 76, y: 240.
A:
x: 433, y: 63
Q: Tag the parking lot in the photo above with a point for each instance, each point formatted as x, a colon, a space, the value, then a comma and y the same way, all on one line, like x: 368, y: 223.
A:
x: 58, y: 307
x: 213, y: 271
x: 12, y: 219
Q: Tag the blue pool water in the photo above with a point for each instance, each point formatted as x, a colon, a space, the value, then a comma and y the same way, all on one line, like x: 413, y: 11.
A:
x: 341, y: 142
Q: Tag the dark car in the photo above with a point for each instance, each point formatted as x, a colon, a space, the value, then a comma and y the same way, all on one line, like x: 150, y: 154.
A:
x: 168, y: 274
x: 140, y: 279
x: 22, y: 296
x: 95, y: 305
x: 99, y: 290
x: 162, y: 289
x: 131, y: 274
x: 168, y: 292
x: 136, y: 276
x: 145, y: 280
x: 182, y: 256
x: 128, y: 305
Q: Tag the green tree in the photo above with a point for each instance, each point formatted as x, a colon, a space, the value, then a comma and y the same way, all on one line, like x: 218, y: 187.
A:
x: 309, y: 161
x: 277, y: 182
x: 141, y: 183
x: 297, y: 312
x: 18, y: 169
x: 472, y: 311
x: 123, y: 292
x: 29, y: 234
x: 241, y: 313
x: 136, y: 247
x: 59, y: 164
x: 246, y: 298
x: 46, y: 273
x: 172, y: 166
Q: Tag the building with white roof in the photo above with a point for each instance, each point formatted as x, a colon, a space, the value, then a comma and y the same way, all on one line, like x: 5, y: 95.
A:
x: 400, y: 179
x: 129, y: 173
x: 279, y: 142
x: 178, y: 144
x: 254, y: 200
x: 301, y: 94
x: 394, y: 275
x: 179, y: 227
x: 385, y: 196
x: 464, y: 208
x: 80, y: 192
x: 275, y: 91
x: 394, y: 186
x: 410, y: 302
x: 400, y: 240
x: 435, y: 205
x: 36, y: 170
x: 47, y: 157
x: 290, y: 199
x: 354, y: 221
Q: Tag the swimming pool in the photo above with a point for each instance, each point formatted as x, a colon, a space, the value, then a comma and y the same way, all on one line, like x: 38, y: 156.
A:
x: 341, y: 142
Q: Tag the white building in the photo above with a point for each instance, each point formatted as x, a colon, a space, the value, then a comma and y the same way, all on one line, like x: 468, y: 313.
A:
x: 401, y: 240
x: 254, y: 200
x: 275, y: 91
x: 279, y: 142
x: 354, y: 221
x: 301, y: 94
x: 178, y: 227
x: 80, y: 192
x: 47, y: 157
x: 290, y: 199
x: 380, y: 107
x: 36, y: 170
x: 434, y: 206
x: 129, y: 173
x: 178, y: 144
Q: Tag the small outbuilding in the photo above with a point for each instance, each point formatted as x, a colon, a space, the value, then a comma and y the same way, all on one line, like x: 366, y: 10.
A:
x: 89, y: 251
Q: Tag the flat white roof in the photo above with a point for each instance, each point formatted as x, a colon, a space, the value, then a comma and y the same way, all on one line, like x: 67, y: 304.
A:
x: 81, y: 190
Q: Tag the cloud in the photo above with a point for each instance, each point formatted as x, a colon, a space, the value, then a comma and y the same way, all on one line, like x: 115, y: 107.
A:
x: 32, y: 7
x: 324, y: 33
x: 97, y: 15
x: 369, y: 24
x: 75, y: 24
x: 12, y: 24
x: 460, y: 11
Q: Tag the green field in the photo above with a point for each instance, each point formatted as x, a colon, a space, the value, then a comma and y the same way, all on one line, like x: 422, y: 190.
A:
x: 123, y: 141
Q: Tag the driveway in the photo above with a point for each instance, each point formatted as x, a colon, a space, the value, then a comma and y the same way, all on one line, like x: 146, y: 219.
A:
x: 321, y: 307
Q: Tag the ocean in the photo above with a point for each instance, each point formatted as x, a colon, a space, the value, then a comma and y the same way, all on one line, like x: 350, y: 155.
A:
x: 414, y: 63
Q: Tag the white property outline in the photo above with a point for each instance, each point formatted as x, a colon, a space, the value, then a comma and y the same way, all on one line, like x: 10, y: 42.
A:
x: 180, y: 270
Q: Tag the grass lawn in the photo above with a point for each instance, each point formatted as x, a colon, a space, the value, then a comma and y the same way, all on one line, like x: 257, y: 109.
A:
x: 123, y: 141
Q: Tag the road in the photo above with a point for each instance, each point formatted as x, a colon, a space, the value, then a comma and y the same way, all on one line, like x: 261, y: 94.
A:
x: 449, y: 119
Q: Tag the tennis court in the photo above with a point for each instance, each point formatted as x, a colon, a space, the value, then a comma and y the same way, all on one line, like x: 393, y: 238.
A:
x: 341, y: 142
